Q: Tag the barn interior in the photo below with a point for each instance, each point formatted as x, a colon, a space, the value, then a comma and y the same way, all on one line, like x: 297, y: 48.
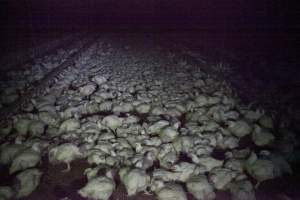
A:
x: 145, y: 100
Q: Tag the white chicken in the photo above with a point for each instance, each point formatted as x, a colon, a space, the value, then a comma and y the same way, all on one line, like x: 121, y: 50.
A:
x: 6, y: 192
x: 171, y: 191
x: 200, y: 188
x: 98, y: 188
x: 64, y: 153
x: 24, y: 160
x: 28, y: 182
x: 9, y: 151
x: 260, y: 169
x: 135, y: 180
x: 112, y: 122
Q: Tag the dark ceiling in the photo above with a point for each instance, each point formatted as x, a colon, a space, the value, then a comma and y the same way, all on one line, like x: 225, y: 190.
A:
x: 155, y: 13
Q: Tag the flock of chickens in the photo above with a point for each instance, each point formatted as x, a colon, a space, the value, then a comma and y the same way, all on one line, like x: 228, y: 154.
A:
x: 137, y: 111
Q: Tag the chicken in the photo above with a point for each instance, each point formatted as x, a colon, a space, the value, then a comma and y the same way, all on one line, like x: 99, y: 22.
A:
x: 112, y: 122
x: 260, y: 169
x: 64, y: 153
x: 171, y: 191
x: 8, y: 152
x: 200, y: 188
x: 28, y: 182
x: 6, y: 193
x: 135, y: 180
x: 24, y: 160
x: 98, y: 188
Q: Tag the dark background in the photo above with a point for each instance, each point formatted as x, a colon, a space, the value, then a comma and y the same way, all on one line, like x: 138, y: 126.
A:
x: 275, y: 14
x: 246, y: 26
